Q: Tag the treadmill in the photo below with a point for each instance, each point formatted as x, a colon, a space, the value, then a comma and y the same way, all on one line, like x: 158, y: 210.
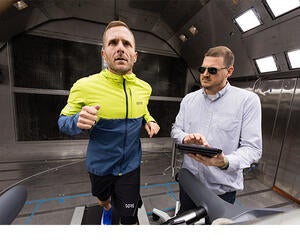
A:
x: 91, y: 215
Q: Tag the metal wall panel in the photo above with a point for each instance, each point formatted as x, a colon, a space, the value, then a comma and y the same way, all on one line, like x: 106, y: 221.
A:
x: 280, y: 102
x: 288, y: 175
x: 269, y: 93
x: 275, y: 96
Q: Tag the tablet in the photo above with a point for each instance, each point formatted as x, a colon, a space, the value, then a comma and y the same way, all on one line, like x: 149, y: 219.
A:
x: 198, y: 149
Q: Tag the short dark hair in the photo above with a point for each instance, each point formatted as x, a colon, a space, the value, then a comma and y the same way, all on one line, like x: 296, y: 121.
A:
x: 222, y: 51
x: 115, y: 24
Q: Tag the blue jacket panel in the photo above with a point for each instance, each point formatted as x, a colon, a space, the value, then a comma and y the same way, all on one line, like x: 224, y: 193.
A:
x: 114, y: 147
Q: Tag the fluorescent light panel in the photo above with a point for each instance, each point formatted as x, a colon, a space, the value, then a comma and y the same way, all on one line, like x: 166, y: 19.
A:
x: 20, y: 5
x: 193, y: 30
x: 183, y: 37
x: 279, y: 8
x: 266, y: 64
x: 294, y: 58
x: 248, y: 20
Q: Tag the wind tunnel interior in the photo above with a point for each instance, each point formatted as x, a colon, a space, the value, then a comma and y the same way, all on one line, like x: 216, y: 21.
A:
x: 46, y: 47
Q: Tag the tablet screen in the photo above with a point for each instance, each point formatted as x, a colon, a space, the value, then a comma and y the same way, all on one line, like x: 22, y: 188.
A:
x: 198, y: 149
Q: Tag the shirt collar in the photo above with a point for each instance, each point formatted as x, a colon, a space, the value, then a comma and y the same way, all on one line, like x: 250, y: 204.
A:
x: 218, y: 94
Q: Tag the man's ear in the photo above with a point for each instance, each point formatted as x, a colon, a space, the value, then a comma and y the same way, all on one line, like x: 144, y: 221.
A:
x: 103, y: 54
x: 230, y: 71
x: 136, y: 56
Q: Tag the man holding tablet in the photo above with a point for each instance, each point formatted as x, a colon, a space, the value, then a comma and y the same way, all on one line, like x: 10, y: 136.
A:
x: 220, y: 116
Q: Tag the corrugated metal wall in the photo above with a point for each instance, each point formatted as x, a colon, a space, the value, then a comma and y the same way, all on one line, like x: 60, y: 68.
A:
x: 279, y: 166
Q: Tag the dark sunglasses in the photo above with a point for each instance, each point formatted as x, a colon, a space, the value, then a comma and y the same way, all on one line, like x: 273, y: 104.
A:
x: 211, y: 70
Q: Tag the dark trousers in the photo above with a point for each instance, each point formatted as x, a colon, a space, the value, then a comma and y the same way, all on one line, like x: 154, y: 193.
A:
x: 186, y: 202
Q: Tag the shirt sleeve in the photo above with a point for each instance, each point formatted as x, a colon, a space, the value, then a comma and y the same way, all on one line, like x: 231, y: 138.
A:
x: 250, y: 146
x: 177, y: 132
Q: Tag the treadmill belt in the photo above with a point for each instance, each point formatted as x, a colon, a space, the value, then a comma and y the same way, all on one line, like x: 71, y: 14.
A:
x: 92, y: 216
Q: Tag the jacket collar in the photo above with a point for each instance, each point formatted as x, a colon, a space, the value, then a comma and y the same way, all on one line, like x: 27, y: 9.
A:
x: 115, y: 77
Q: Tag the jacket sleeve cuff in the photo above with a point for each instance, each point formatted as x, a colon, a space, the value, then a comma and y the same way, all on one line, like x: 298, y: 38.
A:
x: 68, y: 124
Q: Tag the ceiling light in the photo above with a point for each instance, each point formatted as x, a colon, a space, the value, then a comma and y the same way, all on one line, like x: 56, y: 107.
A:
x: 248, y: 20
x: 279, y: 8
x: 183, y: 37
x: 294, y: 58
x: 193, y: 30
x: 266, y: 64
x: 20, y: 5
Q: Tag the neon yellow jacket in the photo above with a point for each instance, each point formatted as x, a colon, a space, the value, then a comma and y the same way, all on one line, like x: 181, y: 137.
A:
x: 114, y: 145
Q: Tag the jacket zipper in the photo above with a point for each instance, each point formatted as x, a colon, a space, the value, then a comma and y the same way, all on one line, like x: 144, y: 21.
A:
x: 126, y: 125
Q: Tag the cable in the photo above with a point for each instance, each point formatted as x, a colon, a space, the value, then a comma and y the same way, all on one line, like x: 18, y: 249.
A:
x: 40, y: 173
